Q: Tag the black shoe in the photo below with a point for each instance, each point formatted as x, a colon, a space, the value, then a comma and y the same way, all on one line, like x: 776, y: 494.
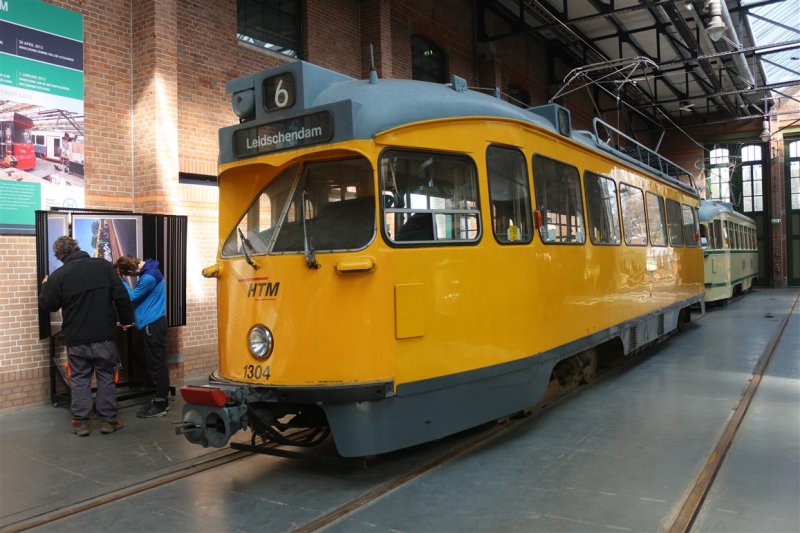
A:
x: 153, y: 410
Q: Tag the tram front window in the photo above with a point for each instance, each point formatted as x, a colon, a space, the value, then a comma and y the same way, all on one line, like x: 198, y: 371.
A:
x: 336, y: 199
x: 258, y: 224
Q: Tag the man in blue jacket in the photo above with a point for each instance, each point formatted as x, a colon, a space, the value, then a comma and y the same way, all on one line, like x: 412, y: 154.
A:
x: 87, y: 290
x: 149, y: 299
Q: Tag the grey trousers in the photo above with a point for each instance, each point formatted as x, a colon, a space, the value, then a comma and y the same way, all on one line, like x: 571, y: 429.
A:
x: 100, y: 359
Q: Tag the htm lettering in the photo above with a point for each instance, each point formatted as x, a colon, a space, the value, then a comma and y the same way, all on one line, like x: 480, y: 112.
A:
x: 258, y: 290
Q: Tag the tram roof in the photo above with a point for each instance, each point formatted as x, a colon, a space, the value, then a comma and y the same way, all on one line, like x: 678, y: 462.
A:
x: 711, y: 209
x: 362, y: 109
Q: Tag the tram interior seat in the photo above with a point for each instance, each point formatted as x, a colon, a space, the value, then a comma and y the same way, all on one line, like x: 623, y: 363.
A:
x: 419, y: 227
x: 345, y: 224
x: 342, y: 225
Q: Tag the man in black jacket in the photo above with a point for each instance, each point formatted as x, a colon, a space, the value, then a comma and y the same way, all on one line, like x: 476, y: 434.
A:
x: 86, y: 290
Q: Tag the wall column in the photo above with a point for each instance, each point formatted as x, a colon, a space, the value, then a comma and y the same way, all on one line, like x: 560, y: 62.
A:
x: 376, y: 29
x: 155, y: 105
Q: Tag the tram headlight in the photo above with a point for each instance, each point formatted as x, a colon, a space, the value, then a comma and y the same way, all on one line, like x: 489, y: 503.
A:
x: 260, y: 342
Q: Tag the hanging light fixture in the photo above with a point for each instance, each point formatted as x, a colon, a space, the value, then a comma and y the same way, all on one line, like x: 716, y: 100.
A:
x: 765, y: 125
x: 715, y: 27
x: 765, y: 131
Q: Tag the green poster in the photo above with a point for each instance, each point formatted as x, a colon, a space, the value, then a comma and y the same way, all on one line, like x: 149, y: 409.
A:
x: 41, y: 111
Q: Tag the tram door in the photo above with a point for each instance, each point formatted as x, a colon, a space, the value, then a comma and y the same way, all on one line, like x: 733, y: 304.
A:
x: 792, y: 173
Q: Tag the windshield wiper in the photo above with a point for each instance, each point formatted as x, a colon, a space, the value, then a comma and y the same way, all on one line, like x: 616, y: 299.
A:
x: 245, y: 245
x: 308, y: 248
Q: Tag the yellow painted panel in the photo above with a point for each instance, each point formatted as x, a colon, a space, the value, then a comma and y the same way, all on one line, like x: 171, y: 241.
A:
x: 409, y: 307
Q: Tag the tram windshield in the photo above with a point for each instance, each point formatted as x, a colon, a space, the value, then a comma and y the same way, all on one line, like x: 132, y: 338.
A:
x: 335, y: 199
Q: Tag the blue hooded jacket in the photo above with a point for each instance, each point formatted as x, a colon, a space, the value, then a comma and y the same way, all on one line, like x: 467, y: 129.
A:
x: 150, y: 295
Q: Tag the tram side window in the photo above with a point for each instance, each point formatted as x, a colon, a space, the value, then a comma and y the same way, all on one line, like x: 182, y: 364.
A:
x: 655, y: 220
x: 719, y: 235
x: 674, y: 223
x: 254, y: 231
x: 690, y: 227
x: 510, y: 195
x: 738, y: 236
x: 731, y: 236
x: 558, y: 199
x: 429, y: 198
x: 704, y: 236
x: 634, y: 224
x: 601, y: 209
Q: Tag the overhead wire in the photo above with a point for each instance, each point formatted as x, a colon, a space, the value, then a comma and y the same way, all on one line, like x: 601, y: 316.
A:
x: 642, y: 93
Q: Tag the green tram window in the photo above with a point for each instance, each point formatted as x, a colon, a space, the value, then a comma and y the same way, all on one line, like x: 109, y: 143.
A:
x: 509, y: 195
x: 719, y: 235
x: 558, y: 199
x: 601, y: 209
x: 429, y: 198
x: 674, y: 223
x: 634, y: 223
x: 655, y: 220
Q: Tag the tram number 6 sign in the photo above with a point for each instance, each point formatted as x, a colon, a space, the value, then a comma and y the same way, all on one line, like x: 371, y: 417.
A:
x: 279, y: 92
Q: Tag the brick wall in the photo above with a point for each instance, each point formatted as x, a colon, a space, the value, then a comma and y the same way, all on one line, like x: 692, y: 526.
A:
x: 334, y: 36
x: 23, y: 359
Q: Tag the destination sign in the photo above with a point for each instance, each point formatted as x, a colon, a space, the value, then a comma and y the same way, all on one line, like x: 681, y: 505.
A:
x: 290, y: 133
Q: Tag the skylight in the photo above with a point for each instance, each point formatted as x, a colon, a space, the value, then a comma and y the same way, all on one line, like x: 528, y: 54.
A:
x: 773, y: 25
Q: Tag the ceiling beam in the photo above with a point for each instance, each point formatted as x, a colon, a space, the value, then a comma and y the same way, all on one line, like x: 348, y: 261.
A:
x: 691, y: 43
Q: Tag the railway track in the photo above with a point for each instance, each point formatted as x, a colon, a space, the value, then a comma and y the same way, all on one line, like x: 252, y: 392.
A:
x: 212, y: 460
x: 687, y: 509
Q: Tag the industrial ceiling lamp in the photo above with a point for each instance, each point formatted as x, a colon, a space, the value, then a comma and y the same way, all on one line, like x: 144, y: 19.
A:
x: 765, y: 131
x: 715, y: 27
x: 765, y: 125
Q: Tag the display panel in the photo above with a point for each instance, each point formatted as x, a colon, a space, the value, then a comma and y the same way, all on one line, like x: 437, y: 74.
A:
x: 57, y: 226
x: 109, y: 236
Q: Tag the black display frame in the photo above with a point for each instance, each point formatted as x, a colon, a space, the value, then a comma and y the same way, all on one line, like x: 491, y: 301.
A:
x: 163, y: 239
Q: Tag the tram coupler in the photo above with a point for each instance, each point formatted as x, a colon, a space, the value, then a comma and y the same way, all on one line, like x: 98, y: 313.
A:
x: 211, y: 415
x: 184, y: 427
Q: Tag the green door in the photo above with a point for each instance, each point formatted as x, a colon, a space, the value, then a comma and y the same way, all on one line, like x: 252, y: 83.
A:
x: 792, y: 173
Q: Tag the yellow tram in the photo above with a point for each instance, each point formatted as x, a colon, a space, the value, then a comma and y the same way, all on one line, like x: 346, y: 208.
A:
x: 730, y: 252
x: 402, y: 260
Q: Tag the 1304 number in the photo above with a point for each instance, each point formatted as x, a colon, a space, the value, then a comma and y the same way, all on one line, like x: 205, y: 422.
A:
x: 256, y: 372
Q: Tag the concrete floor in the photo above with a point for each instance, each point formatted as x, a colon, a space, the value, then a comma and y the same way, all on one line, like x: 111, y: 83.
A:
x: 618, y: 455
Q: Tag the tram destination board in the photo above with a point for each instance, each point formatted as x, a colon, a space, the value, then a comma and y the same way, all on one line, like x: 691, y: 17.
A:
x: 295, y: 132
